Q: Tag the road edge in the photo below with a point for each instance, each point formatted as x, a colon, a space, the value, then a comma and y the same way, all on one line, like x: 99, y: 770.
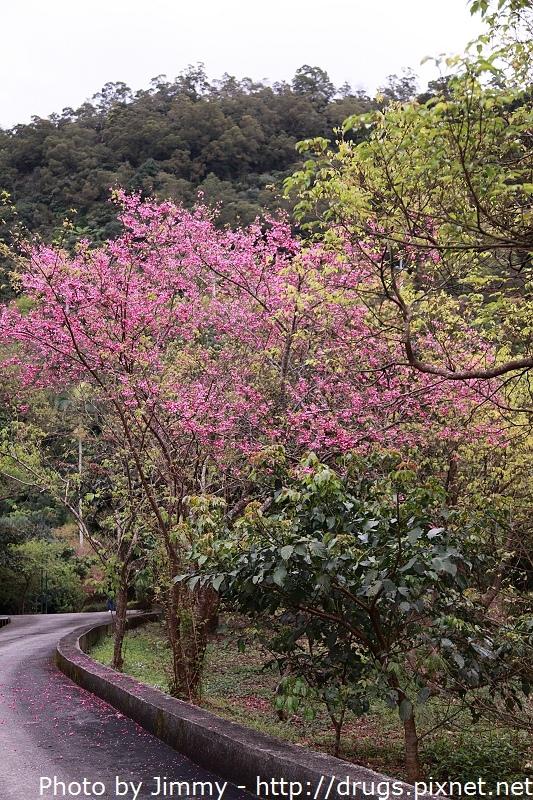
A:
x: 247, y: 758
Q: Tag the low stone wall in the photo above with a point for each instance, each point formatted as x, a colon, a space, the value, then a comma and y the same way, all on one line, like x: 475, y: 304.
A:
x: 245, y: 757
x: 4, y: 621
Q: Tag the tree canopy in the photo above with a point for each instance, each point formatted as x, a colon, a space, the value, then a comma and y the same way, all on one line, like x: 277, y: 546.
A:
x: 438, y: 202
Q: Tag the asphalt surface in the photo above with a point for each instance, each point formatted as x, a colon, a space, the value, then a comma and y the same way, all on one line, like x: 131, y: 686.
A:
x: 57, y: 740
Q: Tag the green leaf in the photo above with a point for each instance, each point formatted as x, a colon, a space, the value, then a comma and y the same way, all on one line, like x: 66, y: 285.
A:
x: 412, y: 561
x: 423, y: 695
x: 414, y: 535
x: 450, y: 567
x: 405, y: 710
x: 280, y: 573
x: 459, y: 660
x: 444, y: 565
x: 286, y: 552
x: 317, y: 548
x: 374, y: 589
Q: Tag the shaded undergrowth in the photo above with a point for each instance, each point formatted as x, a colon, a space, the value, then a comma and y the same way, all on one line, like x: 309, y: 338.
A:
x: 237, y: 686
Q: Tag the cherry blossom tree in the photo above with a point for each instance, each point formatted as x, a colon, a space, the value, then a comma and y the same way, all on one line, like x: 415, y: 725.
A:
x: 200, y: 347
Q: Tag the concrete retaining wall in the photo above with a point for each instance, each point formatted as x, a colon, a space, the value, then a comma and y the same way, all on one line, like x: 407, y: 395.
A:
x: 232, y: 751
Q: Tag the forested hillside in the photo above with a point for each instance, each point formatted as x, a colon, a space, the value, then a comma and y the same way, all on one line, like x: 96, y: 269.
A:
x: 231, y: 139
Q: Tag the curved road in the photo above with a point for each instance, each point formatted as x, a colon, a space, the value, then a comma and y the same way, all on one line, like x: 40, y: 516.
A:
x: 57, y: 740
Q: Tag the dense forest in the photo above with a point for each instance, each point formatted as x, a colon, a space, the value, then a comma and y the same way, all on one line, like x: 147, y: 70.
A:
x: 233, y: 140
x: 284, y: 365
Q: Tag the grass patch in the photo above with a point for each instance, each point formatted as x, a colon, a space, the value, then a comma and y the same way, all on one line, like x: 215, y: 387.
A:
x: 237, y: 686
x: 145, y: 652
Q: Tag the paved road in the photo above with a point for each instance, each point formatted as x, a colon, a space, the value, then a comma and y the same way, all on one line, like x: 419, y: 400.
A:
x: 57, y: 740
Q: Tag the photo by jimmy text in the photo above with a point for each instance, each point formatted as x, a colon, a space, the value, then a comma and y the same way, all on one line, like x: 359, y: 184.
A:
x: 326, y: 788
x: 157, y: 786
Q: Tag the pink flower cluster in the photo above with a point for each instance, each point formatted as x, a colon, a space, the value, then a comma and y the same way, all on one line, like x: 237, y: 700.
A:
x: 221, y: 341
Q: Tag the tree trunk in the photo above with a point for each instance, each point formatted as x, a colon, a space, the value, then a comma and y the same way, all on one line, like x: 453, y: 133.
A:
x: 125, y: 552
x: 204, y: 615
x: 189, y: 618
x: 412, y: 761
x: 337, y: 724
x: 120, y: 624
x: 173, y: 612
x: 337, y: 721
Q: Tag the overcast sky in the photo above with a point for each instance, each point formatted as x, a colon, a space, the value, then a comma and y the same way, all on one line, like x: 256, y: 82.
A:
x: 58, y: 53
